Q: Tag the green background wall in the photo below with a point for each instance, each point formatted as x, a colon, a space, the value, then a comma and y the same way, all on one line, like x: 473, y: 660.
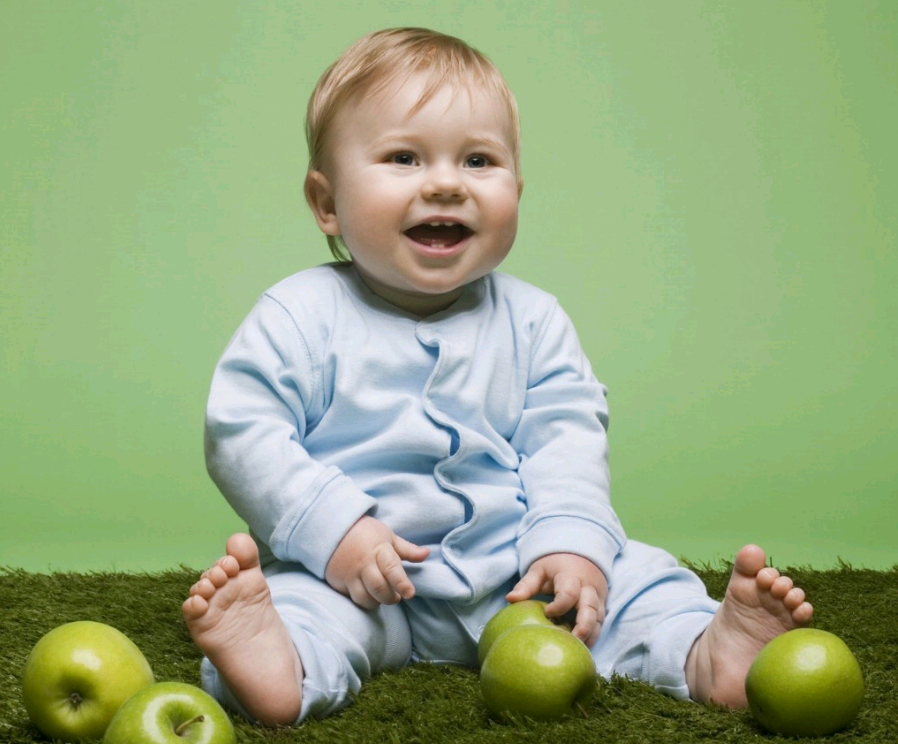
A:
x: 711, y: 191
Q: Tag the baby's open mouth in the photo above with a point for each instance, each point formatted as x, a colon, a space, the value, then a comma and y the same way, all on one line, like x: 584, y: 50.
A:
x: 439, y: 234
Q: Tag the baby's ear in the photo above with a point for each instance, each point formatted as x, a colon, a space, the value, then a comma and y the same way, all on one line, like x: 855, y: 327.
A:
x: 320, y: 197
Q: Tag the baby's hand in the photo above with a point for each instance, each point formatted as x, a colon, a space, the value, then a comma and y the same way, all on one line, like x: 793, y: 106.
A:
x: 574, y: 581
x: 367, y: 564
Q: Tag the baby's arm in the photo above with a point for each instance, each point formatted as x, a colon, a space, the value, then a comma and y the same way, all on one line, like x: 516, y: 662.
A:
x: 266, y: 395
x: 367, y: 564
x: 574, y: 582
x: 570, y: 535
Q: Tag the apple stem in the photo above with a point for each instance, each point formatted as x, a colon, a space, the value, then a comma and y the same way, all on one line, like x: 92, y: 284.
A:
x: 187, y: 724
x: 583, y: 711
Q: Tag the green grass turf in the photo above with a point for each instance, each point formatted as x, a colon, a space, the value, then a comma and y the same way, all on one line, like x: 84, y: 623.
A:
x: 430, y: 705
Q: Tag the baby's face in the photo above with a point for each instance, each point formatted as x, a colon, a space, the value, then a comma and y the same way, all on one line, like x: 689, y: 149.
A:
x: 426, y: 200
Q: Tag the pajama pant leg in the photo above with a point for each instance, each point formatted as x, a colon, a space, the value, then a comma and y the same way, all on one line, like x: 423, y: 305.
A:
x: 340, y: 644
x: 656, y: 609
x: 446, y: 632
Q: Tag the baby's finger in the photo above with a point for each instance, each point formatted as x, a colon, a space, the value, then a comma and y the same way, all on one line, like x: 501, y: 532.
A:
x: 529, y: 585
x: 589, y: 617
x: 408, y: 551
x: 359, y: 594
x: 378, y: 586
x: 567, y: 592
x: 389, y: 567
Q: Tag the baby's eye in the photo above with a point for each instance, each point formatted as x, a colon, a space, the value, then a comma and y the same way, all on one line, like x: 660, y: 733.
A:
x: 477, y: 161
x: 403, y: 158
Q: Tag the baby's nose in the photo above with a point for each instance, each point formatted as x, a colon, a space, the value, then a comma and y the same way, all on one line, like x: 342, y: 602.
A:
x: 444, y: 182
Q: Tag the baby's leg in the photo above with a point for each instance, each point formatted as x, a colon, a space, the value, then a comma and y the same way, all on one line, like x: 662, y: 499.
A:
x: 339, y: 643
x: 759, y: 605
x: 661, y: 626
x: 232, y: 619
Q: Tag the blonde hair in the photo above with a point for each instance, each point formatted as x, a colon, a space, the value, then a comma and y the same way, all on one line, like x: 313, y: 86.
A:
x: 389, y: 57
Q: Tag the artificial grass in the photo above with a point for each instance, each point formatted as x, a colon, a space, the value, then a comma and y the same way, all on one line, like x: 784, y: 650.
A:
x: 426, y: 704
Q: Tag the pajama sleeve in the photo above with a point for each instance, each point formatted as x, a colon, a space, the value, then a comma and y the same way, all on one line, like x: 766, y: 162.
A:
x: 563, y: 449
x: 265, y: 393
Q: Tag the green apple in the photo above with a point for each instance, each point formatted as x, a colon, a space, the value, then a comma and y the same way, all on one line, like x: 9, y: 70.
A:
x: 170, y: 713
x: 805, y: 683
x: 528, y: 612
x: 77, y: 676
x: 539, y: 671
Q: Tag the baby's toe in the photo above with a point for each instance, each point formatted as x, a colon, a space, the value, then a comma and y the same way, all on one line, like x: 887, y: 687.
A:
x: 781, y: 587
x: 767, y: 577
x: 794, y: 597
x: 217, y: 576
x: 194, y: 607
x: 803, y: 614
x: 230, y: 566
x: 749, y: 560
x: 203, y: 588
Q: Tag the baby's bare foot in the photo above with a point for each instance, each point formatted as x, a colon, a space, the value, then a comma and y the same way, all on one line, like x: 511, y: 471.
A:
x: 759, y: 605
x: 231, y: 617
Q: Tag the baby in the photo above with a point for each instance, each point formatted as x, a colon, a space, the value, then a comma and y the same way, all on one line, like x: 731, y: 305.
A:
x: 416, y: 440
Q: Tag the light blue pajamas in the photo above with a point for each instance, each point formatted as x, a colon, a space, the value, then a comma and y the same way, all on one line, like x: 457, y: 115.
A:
x: 478, y: 432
